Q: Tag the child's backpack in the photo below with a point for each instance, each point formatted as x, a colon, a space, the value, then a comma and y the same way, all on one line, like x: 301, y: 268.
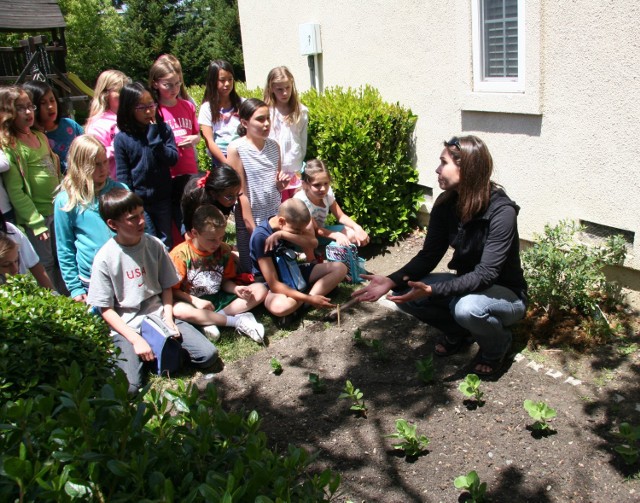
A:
x: 163, y: 342
x: 348, y: 255
x: 288, y: 269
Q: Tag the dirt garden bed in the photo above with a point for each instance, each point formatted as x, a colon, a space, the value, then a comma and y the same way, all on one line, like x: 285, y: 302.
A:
x: 592, y: 394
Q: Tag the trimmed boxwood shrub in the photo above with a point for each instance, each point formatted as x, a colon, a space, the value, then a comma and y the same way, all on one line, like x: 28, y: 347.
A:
x: 41, y: 334
x: 367, y: 145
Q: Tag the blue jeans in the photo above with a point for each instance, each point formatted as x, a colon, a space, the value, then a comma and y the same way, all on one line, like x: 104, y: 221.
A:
x: 482, y: 316
x: 202, y: 353
x: 157, y: 220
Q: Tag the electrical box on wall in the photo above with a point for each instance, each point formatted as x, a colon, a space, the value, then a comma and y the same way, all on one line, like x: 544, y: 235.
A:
x: 310, y: 42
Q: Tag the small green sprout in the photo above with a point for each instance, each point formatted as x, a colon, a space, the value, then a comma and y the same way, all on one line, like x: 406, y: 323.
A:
x: 378, y: 347
x: 317, y: 384
x: 276, y: 366
x: 425, y: 369
x: 375, y: 344
x: 540, y: 412
x: 629, y: 450
x: 470, y: 387
x: 356, y: 396
x: 411, y: 444
x: 471, y: 483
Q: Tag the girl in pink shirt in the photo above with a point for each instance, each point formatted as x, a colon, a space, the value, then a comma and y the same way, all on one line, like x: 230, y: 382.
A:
x: 165, y: 80
x: 102, y: 122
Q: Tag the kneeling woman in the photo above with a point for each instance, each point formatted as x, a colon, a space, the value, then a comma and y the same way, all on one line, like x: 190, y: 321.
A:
x: 488, y: 292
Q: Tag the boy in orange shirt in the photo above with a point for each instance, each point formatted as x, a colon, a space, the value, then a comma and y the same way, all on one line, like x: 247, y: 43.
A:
x: 206, y: 294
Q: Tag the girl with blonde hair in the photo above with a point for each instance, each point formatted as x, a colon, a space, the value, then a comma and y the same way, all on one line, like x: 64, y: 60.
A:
x: 80, y: 229
x: 102, y: 122
x: 289, y: 121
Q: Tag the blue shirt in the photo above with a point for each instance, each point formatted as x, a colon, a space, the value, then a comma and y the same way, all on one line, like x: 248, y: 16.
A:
x: 80, y: 233
x: 60, y: 139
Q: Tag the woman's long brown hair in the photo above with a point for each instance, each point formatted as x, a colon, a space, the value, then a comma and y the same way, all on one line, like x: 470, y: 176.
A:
x: 476, y: 168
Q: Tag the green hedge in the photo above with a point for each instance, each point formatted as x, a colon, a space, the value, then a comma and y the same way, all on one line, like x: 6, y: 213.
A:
x: 367, y: 144
x: 70, y: 431
x: 70, y: 444
x: 41, y: 334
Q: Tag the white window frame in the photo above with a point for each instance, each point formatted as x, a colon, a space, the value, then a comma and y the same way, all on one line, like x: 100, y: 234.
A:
x: 496, y: 85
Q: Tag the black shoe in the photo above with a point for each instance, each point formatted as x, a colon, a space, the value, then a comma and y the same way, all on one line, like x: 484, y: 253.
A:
x: 284, y: 322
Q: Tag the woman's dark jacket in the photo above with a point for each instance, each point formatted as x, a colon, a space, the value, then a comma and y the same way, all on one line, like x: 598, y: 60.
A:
x: 486, y: 248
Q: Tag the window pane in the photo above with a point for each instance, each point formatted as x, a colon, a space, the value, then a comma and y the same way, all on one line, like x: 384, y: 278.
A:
x: 500, y: 27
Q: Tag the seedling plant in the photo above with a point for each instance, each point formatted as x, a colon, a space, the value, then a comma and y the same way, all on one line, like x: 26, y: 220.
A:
x: 357, y: 337
x: 317, y: 384
x: 425, y: 369
x: 356, y: 396
x: 375, y: 344
x: 540, y: 412
x: 471, y: 483
x: 630, y: 450
x: 276, y: 366
x: 411, y: 443
x: 470, y: 388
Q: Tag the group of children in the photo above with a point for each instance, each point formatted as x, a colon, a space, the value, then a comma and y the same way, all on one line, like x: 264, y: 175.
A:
x: 130, y: 188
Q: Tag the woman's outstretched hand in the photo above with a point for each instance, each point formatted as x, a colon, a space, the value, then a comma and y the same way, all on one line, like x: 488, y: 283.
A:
x: 418, y: 291
x: 377, y: 287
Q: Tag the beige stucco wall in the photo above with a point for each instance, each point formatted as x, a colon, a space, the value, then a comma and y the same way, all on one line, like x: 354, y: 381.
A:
x: 572, y: 150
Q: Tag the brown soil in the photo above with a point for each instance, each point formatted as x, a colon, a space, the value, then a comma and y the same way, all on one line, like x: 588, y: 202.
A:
x: 591, y: 393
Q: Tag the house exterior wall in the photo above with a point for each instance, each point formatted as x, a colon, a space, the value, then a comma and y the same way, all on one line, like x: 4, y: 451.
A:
x: 568, y: 148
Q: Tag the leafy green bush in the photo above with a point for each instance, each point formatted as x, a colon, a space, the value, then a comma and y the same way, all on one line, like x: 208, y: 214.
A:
x: 41, y: 334
x: 172, y: 445
x: 566, y: 276
x: 367, y: 145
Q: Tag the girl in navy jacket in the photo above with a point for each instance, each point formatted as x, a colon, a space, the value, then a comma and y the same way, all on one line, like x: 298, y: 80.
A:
x: 145, y: 150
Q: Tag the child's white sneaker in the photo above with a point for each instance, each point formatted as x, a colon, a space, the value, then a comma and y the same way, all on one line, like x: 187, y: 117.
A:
x: 248, y: 326
x: 212, y: 332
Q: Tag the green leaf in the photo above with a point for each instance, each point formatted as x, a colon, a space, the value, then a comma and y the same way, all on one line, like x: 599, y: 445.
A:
x: 77, y: 491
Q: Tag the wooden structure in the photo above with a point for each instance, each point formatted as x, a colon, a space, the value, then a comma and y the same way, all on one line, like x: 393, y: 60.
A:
x: 33, y: 58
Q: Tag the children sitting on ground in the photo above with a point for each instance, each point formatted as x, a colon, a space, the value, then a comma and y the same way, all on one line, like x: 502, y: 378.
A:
x: 133, y: 276
x: 207, y: 294
x: 291, y: 224
x: 317, y: 195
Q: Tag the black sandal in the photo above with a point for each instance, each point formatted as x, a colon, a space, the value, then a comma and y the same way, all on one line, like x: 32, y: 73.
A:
x: 495, y: 365
x: 450, y: 348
